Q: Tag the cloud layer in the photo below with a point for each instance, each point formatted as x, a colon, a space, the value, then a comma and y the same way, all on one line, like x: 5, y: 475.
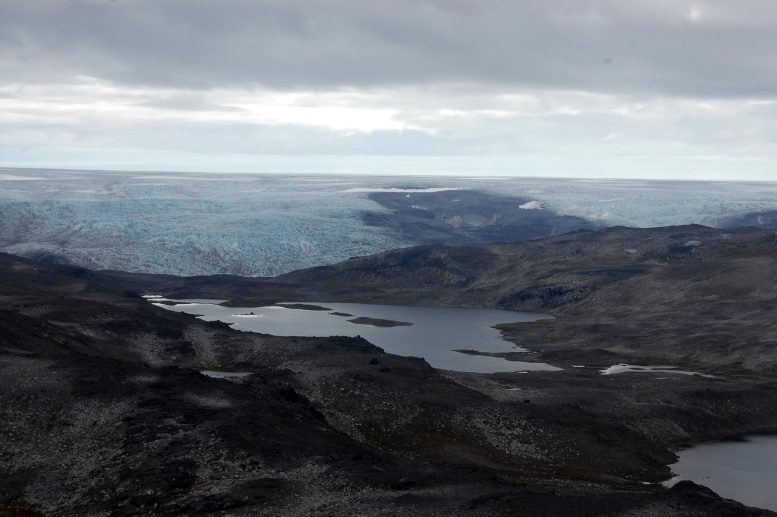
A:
x: 689, y: 86
x: 672, y: 47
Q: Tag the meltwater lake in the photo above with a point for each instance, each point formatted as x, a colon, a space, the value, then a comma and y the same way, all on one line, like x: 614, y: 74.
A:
x: 743, y: 469
x: 429, y: 332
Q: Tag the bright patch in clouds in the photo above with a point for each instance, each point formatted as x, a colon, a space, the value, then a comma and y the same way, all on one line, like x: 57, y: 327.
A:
x: 93, y: 99
x: 695, y: 13
x: 603, y: 132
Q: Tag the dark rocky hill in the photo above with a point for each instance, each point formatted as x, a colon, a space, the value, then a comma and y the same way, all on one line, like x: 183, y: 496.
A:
x: 765, y: 219
x: 466, y: 217
x: 103, y: 411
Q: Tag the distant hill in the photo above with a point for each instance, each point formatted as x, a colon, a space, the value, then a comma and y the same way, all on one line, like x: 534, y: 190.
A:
x: 465, y: 217
x: 765, y: 219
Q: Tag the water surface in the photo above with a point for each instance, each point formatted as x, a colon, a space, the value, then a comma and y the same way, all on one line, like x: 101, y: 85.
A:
x: 744, y: 469
x: 435, y: 333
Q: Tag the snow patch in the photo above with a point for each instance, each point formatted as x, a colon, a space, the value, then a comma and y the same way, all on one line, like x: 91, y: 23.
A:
x: 532, y: 205
x: 218, y: 374
x: 623, y: 368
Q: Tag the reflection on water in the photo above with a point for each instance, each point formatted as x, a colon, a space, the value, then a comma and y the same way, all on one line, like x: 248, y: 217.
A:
x: 434, y: 334
x: 744, y: 469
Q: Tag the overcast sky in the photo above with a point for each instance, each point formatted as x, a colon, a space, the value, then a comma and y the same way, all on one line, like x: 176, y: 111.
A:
x: 637, y: 88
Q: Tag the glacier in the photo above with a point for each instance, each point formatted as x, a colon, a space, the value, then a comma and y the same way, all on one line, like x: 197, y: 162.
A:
x: 269, y: 224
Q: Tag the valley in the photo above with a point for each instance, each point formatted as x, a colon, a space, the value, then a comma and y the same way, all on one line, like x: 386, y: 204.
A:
x: 322, y: 417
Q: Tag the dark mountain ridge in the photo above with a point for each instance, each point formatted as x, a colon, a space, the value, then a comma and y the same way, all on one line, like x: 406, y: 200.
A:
x: 467, y: 217
x: 103, y: 409
x: 689, y: 294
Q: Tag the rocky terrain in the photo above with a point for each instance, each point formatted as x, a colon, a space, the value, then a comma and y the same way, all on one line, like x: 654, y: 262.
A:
x: 765, y: 219
x: 465, y: 217
x: 104, y: 411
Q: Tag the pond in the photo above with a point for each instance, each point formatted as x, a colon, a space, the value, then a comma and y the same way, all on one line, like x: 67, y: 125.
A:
x: 743, y: 469
x: 436, y: 334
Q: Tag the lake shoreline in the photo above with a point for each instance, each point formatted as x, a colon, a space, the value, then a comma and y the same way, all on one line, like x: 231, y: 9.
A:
x: 431, y: 333
x: 741, y: 467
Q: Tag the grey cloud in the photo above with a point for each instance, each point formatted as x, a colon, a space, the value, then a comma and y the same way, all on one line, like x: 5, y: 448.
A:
x: 187, y: 102
x: 678, y: 47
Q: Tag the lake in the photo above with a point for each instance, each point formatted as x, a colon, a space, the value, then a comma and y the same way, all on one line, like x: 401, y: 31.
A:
x: 433, y: 333
x: 743, y: 469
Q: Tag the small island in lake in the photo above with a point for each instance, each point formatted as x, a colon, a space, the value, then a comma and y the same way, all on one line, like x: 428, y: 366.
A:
x: 378, y: 322
x: 303, y: 306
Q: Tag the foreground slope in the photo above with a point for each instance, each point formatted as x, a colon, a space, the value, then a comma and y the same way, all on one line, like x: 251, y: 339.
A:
x: 116, y: 375
x: 104, y: 412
